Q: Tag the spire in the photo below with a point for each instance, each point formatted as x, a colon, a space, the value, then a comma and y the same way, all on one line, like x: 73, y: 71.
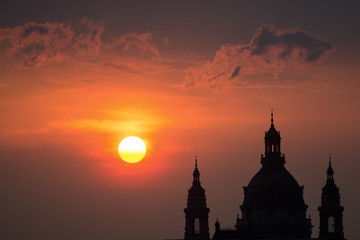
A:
x: 196, y: 173
x: 330, y: 171
x: 272, y: 118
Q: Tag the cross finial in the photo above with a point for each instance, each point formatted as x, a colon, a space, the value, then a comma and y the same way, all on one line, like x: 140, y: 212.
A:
x: 272, y: 117
x: 196, y: 161
x: 329, y: 159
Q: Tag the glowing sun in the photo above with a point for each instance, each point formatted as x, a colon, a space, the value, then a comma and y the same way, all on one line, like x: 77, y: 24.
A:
x: 132, y: 149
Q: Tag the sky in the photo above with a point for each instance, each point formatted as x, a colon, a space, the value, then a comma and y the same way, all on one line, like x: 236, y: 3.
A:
x: 189, y: 78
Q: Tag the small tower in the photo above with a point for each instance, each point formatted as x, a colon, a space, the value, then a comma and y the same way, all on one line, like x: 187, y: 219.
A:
x: 196, y: 212
x: 331, y: 225
x: 272, y: 139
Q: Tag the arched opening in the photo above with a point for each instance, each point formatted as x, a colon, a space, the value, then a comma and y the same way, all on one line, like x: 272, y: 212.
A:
x: 331, y: 224
x: 196, y: 226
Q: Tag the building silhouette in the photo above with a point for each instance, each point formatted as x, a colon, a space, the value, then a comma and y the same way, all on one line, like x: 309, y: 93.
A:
x: 331, y: 224
x: 273, y: 206
x: 196, y: 212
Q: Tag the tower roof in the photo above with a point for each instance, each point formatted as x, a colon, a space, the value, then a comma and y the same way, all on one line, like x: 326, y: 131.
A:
x: 196, y: 173
x: 330, y: 171
x: 272, y: 134
x: 330, y: 188
x: 196, y: 189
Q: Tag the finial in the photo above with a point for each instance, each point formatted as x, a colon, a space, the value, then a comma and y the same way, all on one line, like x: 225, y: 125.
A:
x: 195, y: 161
x: 272, y: 118
x: 330, y: 171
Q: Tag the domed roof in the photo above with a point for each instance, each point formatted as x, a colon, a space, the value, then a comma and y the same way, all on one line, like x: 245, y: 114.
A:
x: 273, y: 187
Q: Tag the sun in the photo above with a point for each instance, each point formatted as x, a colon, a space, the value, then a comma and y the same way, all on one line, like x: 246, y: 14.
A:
x: 132, y: 149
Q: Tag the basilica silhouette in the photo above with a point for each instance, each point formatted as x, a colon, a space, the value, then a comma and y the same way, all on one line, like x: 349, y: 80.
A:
x: 273, y: 206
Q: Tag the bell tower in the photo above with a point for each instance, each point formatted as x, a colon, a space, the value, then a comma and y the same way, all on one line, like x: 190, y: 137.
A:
x: 196, y: 212
x: 331, y: 225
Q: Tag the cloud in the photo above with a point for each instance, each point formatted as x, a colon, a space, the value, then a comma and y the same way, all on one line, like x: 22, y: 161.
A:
x: 89, y: 43
x: 270, y: 51
x: 120, y: 67
x: 36, y: 44
x: 143, y: 42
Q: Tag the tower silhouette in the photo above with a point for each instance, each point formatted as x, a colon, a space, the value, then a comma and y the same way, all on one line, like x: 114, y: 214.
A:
x: 273, y: 204
x: 331, y: 212
x: 196, y: 212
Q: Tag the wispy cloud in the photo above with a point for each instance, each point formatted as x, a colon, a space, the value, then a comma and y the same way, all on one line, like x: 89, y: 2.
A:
x: 143, y: 42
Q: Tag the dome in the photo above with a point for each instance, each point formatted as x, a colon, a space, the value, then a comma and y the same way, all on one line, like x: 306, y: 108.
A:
x: 273, y: 187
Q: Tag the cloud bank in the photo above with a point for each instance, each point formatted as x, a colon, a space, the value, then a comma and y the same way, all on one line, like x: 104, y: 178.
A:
x: 36, y: 44
x: 270, y: 51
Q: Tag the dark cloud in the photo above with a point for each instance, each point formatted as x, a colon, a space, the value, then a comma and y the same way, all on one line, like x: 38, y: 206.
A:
x: 236, y: 72
x: 270, y: 51
x: 310, y: 48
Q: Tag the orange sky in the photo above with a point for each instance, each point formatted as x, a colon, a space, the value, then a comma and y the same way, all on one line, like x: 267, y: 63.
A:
x: 72, y: 87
